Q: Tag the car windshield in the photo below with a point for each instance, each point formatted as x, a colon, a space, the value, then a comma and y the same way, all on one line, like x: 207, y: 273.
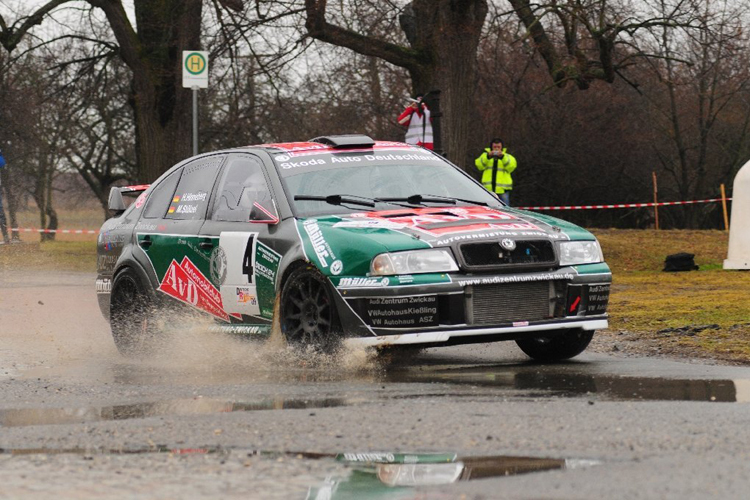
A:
x: 369, y: 178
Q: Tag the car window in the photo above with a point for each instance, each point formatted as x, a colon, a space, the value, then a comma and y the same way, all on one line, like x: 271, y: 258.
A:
x: 190, y: 199
x: 161, y: 195
x: 243, y: 193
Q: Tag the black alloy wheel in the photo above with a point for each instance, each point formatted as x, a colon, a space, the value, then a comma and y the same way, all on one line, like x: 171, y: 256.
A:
x: 555, y: 346
x: 132, y: 315
x: 308, y: 313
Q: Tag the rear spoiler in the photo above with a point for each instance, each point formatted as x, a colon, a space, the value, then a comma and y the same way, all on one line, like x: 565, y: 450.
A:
x: 116, y: 203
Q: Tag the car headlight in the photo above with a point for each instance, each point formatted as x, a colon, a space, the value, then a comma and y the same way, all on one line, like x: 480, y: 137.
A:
x: 580, y: 252
x: 434, y: 260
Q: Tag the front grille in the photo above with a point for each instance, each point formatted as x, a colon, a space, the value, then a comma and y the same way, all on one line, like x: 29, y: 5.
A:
x: 509, y: 302
x: 490, y: 255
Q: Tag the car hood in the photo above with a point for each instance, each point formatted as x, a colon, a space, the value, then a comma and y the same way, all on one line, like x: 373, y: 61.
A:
x: 345, y: 244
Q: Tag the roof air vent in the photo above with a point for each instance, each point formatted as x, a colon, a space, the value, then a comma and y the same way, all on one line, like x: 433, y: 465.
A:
x: 345, y: 141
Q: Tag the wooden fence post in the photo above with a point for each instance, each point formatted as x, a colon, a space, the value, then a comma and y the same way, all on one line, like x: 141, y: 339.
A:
x: 724, y: 206
x: 656, y: 201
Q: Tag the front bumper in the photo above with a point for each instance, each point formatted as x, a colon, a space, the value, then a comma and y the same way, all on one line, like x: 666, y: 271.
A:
x: 465, y: 308
x: 470, y: 335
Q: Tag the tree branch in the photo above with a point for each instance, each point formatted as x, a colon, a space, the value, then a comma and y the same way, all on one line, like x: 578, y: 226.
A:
x: 320, y: 29
x: 10, y: 36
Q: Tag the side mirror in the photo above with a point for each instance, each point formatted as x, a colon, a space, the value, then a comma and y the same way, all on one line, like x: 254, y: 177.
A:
x: 116, y: 203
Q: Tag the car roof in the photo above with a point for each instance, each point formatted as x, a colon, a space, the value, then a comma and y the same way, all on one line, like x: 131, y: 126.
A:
x: 302, y: 148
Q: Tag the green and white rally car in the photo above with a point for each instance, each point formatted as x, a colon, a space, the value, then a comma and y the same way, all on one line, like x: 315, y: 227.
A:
x: 346, y: 239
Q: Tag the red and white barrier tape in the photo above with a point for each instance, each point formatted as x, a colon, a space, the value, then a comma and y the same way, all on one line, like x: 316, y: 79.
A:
x: 569, y: 207
x: 52, y: 231
x: 622, y: 205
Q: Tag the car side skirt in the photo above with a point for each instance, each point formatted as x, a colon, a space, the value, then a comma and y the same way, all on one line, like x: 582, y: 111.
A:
x: 474, y: 335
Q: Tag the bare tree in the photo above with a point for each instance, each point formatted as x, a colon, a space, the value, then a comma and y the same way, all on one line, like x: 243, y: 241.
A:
x: 703, y: 80
x: 152, y: 52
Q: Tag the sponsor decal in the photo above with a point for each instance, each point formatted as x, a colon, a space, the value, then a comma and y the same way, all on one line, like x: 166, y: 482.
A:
x: 398, y: 312
x: 199, y: 279
x: 240, y: 329
x: 281, y: 158
x: 439, y: 221
x: 495, y: 234
x: 110, y: 239
x: 521, y: 278
x: 106, y: 261
x: 520, y: 323
x: 246, y: 296
x: 302, y: 163
x: 218, y: 266
x: 369, y: 457
x: 103, y: 285
x: 368, y: 224
x: 597, y: 299
x: 140, y: 200
x: 363, y: 282
x: 346, y: 159
x: 146, y: 226
x: 320, y: 245
x: 266, y: 269
x: 177, y: 283
x: 337, y: 267
x: 400, y: 157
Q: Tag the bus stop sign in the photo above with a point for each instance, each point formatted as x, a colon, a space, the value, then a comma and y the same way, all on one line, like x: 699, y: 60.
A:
x: 194, y: 69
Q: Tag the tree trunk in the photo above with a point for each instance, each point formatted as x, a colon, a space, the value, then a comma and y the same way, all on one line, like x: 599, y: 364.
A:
x: 154, y: 54
x: 449, y: 32
x: 443, y: 37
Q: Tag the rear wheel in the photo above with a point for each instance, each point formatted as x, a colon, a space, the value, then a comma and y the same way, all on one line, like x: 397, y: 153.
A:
x: 132, y: 315
x: 556, y: 346
x: 308, y: 312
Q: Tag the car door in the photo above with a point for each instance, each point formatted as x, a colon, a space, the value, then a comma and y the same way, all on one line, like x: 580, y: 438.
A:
x: 241, y: 228
x: 169, y: 235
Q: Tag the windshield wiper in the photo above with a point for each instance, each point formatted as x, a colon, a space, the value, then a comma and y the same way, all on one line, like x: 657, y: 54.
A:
x: 338, y: 199
x: 418, y: 199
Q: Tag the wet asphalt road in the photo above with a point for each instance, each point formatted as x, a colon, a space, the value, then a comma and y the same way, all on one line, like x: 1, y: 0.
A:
x: 219, y: 416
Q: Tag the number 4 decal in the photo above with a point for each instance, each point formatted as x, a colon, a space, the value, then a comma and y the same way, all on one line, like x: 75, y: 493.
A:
x: 238, y: 291
x: 239, y: 248
x: 248, y: 261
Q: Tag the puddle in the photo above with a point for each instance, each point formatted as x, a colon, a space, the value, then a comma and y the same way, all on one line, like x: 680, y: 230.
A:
x: 394, y: 475
x: 566, y: 383
x: 197, y: 406
x: 364, y: 475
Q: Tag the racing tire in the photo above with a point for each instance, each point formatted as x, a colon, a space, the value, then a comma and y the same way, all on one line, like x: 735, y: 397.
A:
x: 308, y: 316
x: 132, y: 315
x: 556, y: 346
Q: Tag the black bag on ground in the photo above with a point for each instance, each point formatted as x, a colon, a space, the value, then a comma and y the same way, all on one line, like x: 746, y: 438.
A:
x: 680, y: 262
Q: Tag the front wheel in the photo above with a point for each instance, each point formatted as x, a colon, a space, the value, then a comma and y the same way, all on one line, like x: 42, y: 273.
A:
x: 556, y: 346
x: 308, y: 313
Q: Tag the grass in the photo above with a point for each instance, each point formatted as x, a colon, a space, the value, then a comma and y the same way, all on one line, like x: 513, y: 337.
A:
x: 646, y: 302
x: 50, y: 256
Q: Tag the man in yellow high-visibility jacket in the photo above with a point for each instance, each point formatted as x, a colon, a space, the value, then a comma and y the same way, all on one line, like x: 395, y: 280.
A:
x: 496, y: 166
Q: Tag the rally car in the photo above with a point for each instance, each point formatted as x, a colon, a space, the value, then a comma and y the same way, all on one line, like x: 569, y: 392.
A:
x: 346, y: 239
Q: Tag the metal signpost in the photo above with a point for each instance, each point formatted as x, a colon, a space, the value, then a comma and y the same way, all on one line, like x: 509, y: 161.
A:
x: 195, y: 76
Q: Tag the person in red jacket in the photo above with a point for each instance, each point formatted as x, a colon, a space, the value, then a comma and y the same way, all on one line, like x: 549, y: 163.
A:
x: 417, y: 118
